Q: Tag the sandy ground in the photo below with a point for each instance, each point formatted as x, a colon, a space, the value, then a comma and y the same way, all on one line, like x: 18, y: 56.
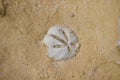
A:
x: 23, y: 24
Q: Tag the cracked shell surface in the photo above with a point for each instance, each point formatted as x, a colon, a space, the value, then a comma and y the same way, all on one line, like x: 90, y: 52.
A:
x: 62, y: 43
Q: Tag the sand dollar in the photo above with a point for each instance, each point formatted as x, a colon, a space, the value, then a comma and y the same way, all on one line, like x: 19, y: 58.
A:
x: 62, y: 43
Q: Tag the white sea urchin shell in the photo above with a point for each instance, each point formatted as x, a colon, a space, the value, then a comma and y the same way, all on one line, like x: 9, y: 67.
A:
x: 62, y: 43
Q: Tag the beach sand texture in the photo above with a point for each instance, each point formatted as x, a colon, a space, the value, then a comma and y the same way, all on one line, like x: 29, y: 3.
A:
x: 24, y: 23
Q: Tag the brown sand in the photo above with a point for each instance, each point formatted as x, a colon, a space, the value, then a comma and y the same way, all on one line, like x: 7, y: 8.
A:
x: 23, y: 26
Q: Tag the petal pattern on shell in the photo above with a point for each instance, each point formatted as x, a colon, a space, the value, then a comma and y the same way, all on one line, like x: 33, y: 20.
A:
x: 62, y: 43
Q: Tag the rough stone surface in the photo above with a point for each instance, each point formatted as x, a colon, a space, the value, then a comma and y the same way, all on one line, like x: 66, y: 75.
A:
x: 22, y: 28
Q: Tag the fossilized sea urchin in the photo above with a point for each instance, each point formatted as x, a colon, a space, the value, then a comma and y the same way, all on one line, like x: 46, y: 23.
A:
x: 62, y: 43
